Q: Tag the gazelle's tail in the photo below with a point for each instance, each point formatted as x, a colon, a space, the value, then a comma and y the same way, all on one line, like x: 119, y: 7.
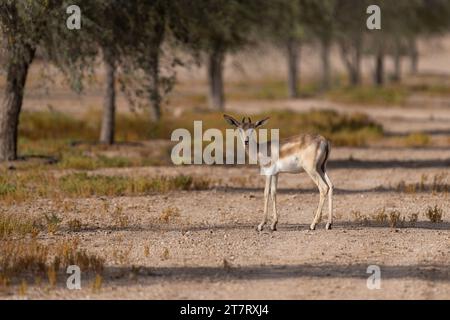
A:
x: 327, y: 154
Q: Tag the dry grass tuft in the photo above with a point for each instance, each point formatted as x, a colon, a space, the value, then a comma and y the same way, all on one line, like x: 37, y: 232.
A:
x: 74, y: 225
x: 53, y: 222
x: 97, y: 283
x: 82, y: 184
x: 119, y: 218
x: 226, y: 265
x: 417, y: 139
x: 52, y: 276
x: 381, y: 216
x: 165, y: 254
x: 394, y: 218
x: 20, y: 258
x: 29, y: 185
x: 17, y: 225
x: 413, y: 218
x: 169, y: 214
x: 365, y: 95
x: 360, y: 218
x: 438, y: 184
x: 434, y: 214
x: 51, y: 126
x: 146, y: 251
x: 23, y: 288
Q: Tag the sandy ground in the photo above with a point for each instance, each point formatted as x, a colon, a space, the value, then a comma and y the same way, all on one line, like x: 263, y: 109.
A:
x: 212, y: 250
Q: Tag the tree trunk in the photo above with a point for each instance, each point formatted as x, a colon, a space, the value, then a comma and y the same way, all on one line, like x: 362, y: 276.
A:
x: 414, y: 56
x: 109, y: 104
x: 397, y: 68
x: 155, y: 94
x: 355, y: 78
x: 351, y: 56
x: 379, y: 68
x: 215, y: 79
x: 397, y: 63
x: 16, y: 76
x: 293, y: 55
x: 325, y: 57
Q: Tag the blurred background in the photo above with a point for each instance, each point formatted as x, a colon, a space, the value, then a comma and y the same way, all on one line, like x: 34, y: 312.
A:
x: 135, y: 71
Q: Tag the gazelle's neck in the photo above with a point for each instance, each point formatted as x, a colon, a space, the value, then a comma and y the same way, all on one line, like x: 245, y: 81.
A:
x: 260, y: 152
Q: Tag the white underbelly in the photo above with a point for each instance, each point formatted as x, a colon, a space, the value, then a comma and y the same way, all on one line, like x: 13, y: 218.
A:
x: 292, y: 164
x: 289, y: 164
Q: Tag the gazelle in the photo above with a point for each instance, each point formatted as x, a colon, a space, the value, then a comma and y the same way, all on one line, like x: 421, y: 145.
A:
x: 304, y: 151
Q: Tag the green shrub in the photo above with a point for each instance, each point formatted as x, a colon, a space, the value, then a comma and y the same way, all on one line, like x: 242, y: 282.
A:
x: 417, y: 139
x: 370, y: 95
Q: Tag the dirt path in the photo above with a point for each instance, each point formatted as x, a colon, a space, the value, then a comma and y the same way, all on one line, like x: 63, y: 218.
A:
x: 211, y: 250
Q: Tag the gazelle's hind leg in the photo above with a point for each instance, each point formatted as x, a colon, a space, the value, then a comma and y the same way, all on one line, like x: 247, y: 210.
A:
x: 273, y: 196
x: 266, y: 202
x: 330, y: 202
x: 321, y: 183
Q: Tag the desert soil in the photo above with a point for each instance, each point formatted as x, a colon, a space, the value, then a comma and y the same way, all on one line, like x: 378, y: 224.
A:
x: 212, y: 250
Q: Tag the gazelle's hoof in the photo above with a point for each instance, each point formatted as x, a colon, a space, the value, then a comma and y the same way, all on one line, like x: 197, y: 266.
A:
x: 260, y: 227
x: 273, y: 227
x: 328, y: 226
x: 312, y: 227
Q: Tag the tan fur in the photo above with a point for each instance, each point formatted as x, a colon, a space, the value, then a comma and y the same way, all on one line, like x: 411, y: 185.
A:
x: 298, y: 143
x: 309, y: 152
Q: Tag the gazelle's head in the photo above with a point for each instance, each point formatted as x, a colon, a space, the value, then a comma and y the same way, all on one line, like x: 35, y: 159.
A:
x: 245, y: 128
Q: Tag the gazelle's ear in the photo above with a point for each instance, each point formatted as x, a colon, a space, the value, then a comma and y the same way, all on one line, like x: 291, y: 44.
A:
x: 261, y: 122
x: 231, y: 120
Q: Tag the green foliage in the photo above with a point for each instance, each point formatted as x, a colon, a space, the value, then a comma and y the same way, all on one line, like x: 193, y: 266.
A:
x: 59, y: 126
x: 6, y: 188
x: 207, y: 25
x: 356, y: 129
x: 392, y: 95
x: 31, y: 185
x: 81, y: 162
x: 417, y: 139
x: 55, y: 125
x: 81, y: 184
x: 353, y: 130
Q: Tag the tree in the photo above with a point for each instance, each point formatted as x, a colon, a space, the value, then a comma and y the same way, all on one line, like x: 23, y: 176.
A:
x: 215, y: 28
x: 110, y: 37
x: 26, y: 26
x: 149, y: 30
x: 430, y: 17
x: 109, y: 104
x: 284, y: 27
x: 387, y: 40
x: 403, y: 22
x: 350, y: 31
x: 320, y: 17
x: 109, y: 32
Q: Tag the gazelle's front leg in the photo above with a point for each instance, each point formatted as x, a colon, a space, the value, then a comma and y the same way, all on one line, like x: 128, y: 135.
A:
x: 273, y: 196
x: 323, y: 191
x: 266, y: 202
